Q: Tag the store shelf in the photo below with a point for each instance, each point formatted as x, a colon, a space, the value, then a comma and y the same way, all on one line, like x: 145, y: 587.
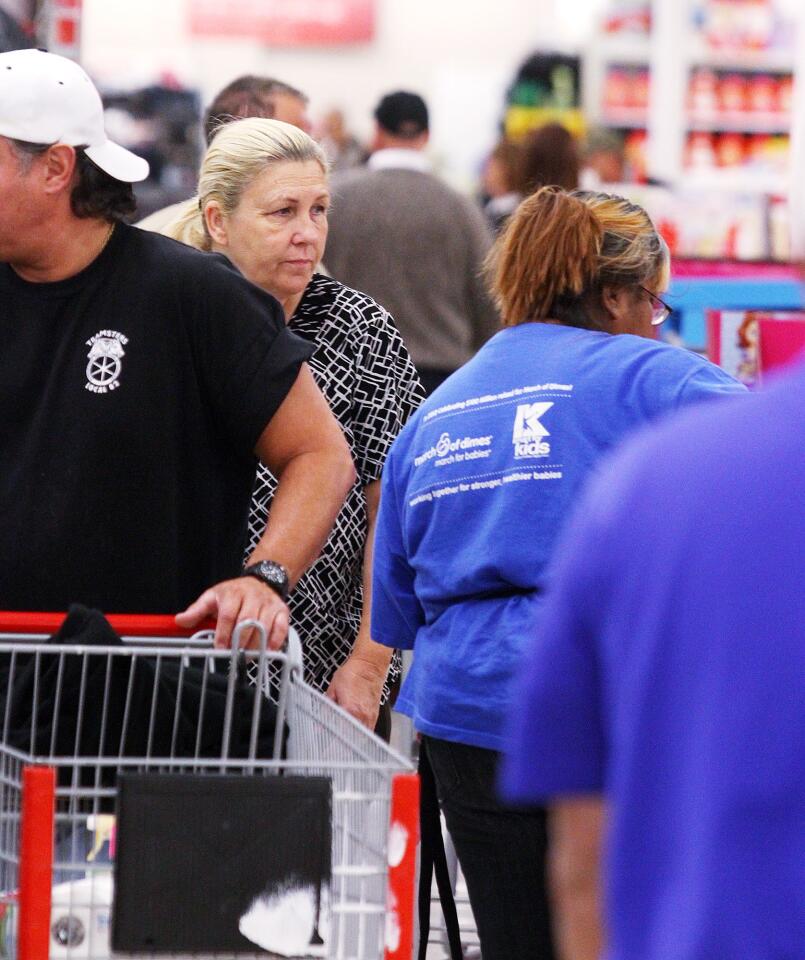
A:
x: 632, y: 49
x: 742, y: 61
x: 625, y: 118
x: 737, y: 180
x: 740, y: 122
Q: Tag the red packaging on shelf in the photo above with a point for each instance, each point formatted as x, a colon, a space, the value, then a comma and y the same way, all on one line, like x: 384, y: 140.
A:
x: 733, y: 93
x: 703, y: 92
x: 639, y: 89
x: 762, y: 94
x: 700, y: 151
x: 785, y: 93
x: 616, y: 89
x: 731, y: 149
x: 635, y: 147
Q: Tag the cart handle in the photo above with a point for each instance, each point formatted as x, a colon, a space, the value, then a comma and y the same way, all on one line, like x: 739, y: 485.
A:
x: 135, y: 625
x: 128, y: 624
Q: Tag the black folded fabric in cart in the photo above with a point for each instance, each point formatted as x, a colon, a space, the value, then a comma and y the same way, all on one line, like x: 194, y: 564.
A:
x: 94, y: 705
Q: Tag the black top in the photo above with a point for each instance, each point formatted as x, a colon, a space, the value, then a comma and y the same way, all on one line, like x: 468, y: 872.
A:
x: 364, y: 371
x: 131, y: 399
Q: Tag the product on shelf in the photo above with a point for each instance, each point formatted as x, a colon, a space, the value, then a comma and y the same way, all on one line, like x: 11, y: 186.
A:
x: 749, y: 343
x: 730, y: 149
x: 703, y: 92
x: 735, y: 97
x: 700, y: 151
x: 635, y: 149
x: 616, y: 89
x: 738, y: 24
x: 640, y: 89
x: 768, y: 152
x: 762, y: 94
x: 785, y: 93
x: 708, y: 224
x: 628, y: 16
x: 625, y: 88
x: 733, y: 93
x: 761, y: 153
x: 781, y: 341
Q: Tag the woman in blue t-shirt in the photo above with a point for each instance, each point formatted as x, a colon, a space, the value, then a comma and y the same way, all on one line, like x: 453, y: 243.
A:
x: 476, y: 489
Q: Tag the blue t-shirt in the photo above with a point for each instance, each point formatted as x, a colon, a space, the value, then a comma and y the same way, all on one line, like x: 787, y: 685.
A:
x: 475, y: 490
x: 668, y: 673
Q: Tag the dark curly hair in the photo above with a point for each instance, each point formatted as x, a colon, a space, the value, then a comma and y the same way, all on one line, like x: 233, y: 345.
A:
x: 95, y: 194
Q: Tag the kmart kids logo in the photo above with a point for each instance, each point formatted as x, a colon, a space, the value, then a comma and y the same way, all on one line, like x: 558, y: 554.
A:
x: 529, y: 432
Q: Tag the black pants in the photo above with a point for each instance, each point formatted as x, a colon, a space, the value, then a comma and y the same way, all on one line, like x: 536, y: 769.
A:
x: 502, y: 853
x: 383, y: 725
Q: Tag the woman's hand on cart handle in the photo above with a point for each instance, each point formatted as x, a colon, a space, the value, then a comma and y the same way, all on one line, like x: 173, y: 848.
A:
x: 244, y: 598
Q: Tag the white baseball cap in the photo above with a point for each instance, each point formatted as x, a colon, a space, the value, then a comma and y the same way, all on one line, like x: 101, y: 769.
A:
x: 49, y: 99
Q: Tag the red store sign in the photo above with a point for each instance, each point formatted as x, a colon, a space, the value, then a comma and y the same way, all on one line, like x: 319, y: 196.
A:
x: 285, y: 23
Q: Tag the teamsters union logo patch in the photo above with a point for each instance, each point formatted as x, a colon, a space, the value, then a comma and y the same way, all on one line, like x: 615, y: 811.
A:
x: 105, y: 361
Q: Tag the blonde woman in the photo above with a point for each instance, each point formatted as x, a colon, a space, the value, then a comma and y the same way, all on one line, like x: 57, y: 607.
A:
x: 262, y: 202
x: 476, y: 489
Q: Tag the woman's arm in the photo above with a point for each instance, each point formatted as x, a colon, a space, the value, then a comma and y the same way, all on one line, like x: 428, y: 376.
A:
x: 358, y: 683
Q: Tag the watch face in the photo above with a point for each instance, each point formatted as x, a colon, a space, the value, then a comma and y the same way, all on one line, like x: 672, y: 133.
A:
x: 272, y: 574
x: 272, y: 571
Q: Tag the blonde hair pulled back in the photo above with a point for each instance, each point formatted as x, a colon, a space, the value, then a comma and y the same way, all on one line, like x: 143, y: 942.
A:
x: 559, y: 249
x: 239, y: 152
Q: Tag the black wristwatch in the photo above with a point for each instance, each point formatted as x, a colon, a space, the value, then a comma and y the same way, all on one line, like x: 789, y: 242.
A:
x: 272, y: 574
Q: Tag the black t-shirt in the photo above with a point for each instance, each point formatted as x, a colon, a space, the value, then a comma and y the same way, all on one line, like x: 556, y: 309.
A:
x: 131, y: 399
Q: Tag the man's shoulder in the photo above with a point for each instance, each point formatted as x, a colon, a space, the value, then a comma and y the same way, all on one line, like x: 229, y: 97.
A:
x: 413, y: 198
x: 170, y: 259
x: 366, y: 181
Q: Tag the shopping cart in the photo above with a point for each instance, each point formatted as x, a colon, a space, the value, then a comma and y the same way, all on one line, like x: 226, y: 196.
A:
x: 60, y: 906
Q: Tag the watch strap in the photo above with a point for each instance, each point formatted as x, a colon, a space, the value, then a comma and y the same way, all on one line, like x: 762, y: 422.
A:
x: 272, y: 574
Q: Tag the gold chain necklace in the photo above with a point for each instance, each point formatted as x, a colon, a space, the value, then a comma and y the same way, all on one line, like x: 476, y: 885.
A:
x: 108, y: 238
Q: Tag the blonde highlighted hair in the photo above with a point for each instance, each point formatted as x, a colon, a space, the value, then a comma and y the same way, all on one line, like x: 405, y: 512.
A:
x: 560, y: 249
x: 240, y: 151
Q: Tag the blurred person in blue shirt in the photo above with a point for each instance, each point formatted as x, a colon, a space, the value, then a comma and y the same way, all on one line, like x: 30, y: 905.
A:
x: 664, y: 694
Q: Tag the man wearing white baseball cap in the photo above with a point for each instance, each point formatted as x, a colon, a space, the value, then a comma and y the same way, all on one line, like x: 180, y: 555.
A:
x: 140, y: 381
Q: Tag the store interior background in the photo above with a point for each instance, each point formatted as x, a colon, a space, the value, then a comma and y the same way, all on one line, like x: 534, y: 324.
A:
x: 713, y: 123
x: 459, y: 54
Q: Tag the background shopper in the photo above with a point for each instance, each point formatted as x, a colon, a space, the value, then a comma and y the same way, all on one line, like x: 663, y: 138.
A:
x: 414, y: 244
x: 246, y: 96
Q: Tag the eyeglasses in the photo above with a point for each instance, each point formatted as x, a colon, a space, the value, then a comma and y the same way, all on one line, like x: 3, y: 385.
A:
x: 660, y: 311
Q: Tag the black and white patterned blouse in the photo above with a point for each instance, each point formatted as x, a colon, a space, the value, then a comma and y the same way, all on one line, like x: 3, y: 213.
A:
x: 363, y: 369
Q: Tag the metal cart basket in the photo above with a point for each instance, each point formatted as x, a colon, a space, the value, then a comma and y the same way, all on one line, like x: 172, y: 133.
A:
x: 55, y: 898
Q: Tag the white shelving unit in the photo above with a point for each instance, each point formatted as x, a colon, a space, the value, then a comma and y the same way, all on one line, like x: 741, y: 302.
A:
x: 672, y: 53
x: 603, y: 53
